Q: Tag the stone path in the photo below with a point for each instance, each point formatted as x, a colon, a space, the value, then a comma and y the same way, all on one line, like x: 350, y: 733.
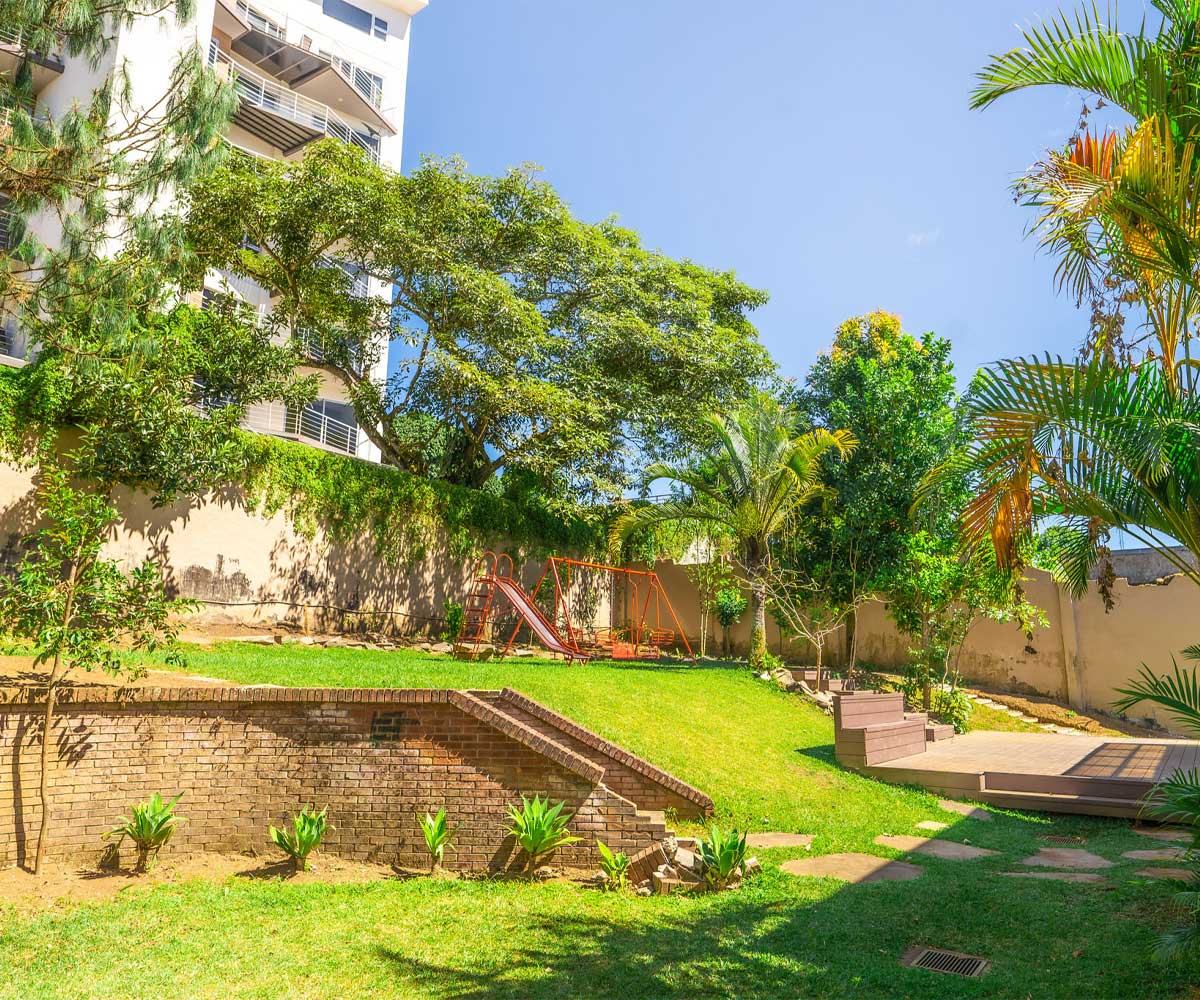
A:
x: 780, y: 839
x: 1091, y: 877
x: 965, y: 809
x: 947, y: 850
x: 932, y: 824
x: 853, y: 868
x: 1162, y: 854
x: 1066, y: 857
x: 1180, y: 874
x: 1164, y: 833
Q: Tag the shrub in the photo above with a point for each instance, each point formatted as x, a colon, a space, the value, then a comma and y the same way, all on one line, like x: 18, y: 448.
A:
x: 453, y: 616
x: 722, y: 856
x: 539, y: 828
x: 308, y: 830
x: 150, y: 825
x: 729, y: 604
x: 439, y: 838
x: 953, y: 707
x: 615, y: 865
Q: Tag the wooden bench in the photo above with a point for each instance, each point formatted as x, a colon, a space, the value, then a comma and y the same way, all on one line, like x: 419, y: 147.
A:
x: 871, y: 728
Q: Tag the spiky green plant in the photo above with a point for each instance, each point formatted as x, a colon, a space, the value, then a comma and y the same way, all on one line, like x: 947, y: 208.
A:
x: 439, y: 838
x: 722, y: 856
x: 308, y: 830
x: 150, y: 826
x: 539, y: 828
x: 615, y: 865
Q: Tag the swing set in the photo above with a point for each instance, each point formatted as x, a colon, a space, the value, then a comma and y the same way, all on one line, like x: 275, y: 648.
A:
x: 641, y: 621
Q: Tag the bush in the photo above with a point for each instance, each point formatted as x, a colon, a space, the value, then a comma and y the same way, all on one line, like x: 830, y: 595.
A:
x: 729, y: 604
x: 308, y: 830
x: 439, y: 838
x: 953, y: 707
x: 722, y: 856
x: 150, y: 826
x: 539, y: 828
x: 615, y: 865
x: 453, y: 615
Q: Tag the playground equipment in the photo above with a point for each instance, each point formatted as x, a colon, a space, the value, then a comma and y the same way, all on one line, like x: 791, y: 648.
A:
x: 566, y: 627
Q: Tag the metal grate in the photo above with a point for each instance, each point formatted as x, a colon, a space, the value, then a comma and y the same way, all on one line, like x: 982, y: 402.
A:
x: 952, y: 963
x: 1054, y: 838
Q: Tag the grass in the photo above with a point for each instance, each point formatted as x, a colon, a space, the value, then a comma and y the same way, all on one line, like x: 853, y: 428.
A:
x: 765, y: 757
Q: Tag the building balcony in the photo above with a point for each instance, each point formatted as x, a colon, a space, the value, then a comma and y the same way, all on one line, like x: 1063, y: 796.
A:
x: 13, y: 53
x: 285, y: 50
x: 316, y: 424
x: 283, y: 118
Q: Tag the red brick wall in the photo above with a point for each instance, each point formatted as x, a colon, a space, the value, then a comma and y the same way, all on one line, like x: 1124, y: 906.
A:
x: 245, y: 758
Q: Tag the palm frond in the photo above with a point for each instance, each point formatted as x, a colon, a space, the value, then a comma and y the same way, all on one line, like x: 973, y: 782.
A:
x: 1177, y: 692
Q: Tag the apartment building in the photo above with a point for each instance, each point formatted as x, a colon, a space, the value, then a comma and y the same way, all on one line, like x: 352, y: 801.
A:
x: 304, y: 70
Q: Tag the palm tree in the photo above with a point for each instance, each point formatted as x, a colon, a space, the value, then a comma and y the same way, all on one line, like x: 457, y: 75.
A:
x: 763, y: 470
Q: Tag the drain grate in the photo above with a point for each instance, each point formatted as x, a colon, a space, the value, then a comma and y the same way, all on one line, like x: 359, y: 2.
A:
x: 952, y: 963
x: 1054, y: 838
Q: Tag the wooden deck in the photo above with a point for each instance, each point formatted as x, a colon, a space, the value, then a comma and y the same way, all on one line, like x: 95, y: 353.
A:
x: 1044, y: 771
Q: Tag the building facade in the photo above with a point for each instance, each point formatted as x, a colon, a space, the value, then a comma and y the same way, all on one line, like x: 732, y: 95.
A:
x: 304, y: 70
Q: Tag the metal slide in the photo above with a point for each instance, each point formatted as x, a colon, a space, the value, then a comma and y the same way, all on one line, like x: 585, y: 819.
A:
x: 546, y: 633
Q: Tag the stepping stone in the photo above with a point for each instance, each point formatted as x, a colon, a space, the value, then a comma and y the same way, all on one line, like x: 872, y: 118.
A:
x: 965, y: 809
x: 1027, y: 718
x: 947, y: 850
x: 1175, y: 874
x: 853, y: 868
x: 1164, y: 833
x: 1066, y: 857
x: 1057, y: 876
x: 932, y: 824
x: 1162, y: 854
x: 780, y: 839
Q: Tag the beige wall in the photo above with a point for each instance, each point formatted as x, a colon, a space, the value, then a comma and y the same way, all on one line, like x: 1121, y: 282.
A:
x: 255, y: 569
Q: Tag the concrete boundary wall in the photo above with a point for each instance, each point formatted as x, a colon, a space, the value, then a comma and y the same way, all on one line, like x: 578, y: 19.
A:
x: 254, y: 569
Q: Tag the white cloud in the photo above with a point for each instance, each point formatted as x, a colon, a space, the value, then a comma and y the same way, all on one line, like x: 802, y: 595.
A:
x: 924, y: 238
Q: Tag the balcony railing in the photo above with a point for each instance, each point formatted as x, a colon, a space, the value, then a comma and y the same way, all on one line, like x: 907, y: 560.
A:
x: 277, y: 99
x: 308, y: 425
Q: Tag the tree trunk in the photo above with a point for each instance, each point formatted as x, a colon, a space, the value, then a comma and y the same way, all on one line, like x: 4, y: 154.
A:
x: 44, y: 776
x: 851, y: 646
x: 758, y: 607
x: 820, y: 646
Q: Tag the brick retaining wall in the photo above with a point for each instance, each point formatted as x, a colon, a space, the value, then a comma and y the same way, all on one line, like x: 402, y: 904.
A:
x: 248, y: 757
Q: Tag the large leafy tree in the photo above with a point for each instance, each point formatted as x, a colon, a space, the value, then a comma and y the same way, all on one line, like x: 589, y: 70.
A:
x: 753, y: 486
x: 895, y: 394
x: 102, y: 170
x: 526, y: 338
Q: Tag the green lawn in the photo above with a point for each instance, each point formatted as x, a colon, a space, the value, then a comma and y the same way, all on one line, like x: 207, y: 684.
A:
x: 765, y: 757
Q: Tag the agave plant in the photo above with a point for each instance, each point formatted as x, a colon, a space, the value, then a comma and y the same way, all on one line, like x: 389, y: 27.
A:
x: 615, y: 865
x: 722, y: 856
x: 439, y: 838
x: 150, y: 826
x: 539, y: 828
x: 308, y: 830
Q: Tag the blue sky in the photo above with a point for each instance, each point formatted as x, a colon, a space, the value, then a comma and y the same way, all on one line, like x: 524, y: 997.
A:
x: 825, y: 152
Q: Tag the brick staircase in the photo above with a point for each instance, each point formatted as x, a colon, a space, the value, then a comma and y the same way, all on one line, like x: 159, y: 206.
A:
x: 652, y: 790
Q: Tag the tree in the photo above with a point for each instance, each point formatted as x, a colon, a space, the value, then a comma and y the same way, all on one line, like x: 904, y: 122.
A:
x: 761, y: 472
x: 75, y: 607
x: 103, y: 170
x: 938, y: 594
x: 895, y: 394
x: 709, y: 578
x: 809, y: 607
x: 529, y: 339
x: 164, y: 421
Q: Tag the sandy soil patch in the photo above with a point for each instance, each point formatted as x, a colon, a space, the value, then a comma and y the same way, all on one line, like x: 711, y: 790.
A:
x: 19, y: 671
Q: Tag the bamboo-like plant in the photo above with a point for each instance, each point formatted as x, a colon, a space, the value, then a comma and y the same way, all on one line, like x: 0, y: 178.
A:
x: 439, y: 837
x: 308, y: 830
x: 539, y: 828
x: 150, y: 825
